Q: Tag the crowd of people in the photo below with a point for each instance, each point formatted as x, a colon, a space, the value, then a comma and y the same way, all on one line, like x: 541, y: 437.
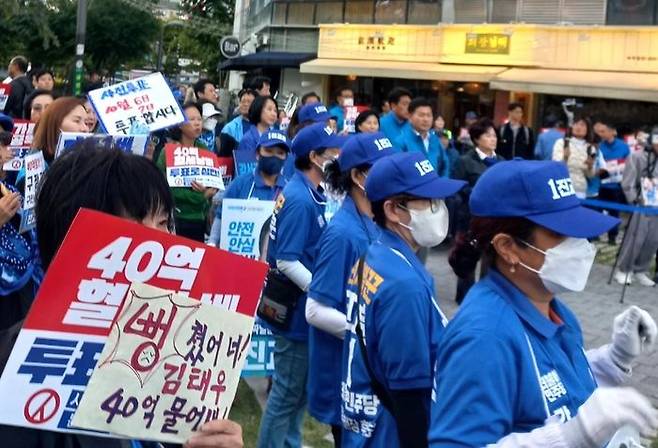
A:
x: 360, y: 338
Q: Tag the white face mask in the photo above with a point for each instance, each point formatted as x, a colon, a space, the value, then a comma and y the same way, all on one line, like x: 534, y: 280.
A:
x: 209, y: 124
x: 566, y: 266
x: 428, y: 228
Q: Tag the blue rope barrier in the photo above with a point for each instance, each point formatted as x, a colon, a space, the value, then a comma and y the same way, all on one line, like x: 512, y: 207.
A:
x: 650, y: 211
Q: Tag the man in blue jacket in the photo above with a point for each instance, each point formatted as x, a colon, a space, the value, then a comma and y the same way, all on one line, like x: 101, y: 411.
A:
x: 394, y: 121
x: 416, y: 137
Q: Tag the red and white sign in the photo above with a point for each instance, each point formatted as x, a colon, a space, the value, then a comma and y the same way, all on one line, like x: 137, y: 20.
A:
x: 21, y: 142
x: 83, y: 291
x: 5, y: 91
x: 187, y: 164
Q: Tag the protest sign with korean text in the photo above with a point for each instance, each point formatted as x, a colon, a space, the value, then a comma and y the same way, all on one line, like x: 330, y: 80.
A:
x: 169, y: 365
x: 135, y: 144
x: 242, y: 225
x: 84, y: 288
x: 5, y: 91
x: 147, y: 101
x: 649, y: 187
x: 35, y: 166
x: 615, y: 169
x: 245, y: 161
x: 187, y: 164
x: 21, y: 143
x: 226, y: 168
x: 243, y: 232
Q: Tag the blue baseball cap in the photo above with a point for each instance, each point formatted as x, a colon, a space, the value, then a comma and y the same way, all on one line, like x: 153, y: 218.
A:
x: 540, y: 191
x: 270, y: 139
x: 316, y: 112
x: 365, y: 148
x: 315, y: 137
x: 6, y: 122
x: 408, y: 173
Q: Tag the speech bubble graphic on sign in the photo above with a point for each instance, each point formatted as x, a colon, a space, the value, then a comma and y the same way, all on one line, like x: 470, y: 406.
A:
x: 171, y: 364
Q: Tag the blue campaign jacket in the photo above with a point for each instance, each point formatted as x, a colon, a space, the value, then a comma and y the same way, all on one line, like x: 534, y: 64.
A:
x: 391, y: 126
x: 410, y: 141
x: 487, y: 383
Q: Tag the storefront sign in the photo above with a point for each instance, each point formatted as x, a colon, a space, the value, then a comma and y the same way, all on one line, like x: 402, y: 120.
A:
x: 487, y: 43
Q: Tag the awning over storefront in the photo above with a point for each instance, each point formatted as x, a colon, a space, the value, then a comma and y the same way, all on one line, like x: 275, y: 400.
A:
x: 266, y: 59
x: 404, y: 70
x: 598, y: 84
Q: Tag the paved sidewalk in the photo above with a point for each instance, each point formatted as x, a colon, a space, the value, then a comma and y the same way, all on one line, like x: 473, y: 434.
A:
x: 595, y: 307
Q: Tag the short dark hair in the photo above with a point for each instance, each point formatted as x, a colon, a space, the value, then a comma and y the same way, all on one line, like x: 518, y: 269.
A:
x: 419, y: 102
x: 110, y: 181
x: 21, y: 62
x: 397, y: 93
x: 340, y: 182
x: 244, y: 92
x: 604, y: 121
x: 515, y: 105
x: 363, y: 116
x: 303, y: 163
x: 5, y: 138
x: 27, y: 104
x: 257, y: 82
x: 256, y: 108
x: 480, y: 127
x: 39, y: 73
x: 200, y: 86
x: 308, y: 95
x: 339, y: 91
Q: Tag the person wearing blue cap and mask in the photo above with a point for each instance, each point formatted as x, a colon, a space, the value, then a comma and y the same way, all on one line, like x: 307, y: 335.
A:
x: 512, y: 370
x: 295, y: 229
x: 264, y: 183
x: 394, y: 321
x: 346, y: 238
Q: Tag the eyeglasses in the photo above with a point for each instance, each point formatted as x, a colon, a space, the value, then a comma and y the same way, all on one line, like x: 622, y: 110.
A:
x: 435, y: 204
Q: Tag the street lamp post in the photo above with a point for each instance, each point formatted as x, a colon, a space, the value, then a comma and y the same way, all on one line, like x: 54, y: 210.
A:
x: 80, y: 31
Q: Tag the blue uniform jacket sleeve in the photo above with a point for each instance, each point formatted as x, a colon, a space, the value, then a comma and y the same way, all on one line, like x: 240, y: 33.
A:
x: 476, y: 390
x: 333, y: 264
x: 293, y: 224
x: 401, y: 324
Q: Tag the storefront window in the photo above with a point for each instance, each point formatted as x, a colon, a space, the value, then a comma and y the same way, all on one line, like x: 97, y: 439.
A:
x: 329, y: 12
x: 359, y: 11
x: 424, y: 12
x: 390, y: 11
x: 300, y: 13
x: 632, y: 12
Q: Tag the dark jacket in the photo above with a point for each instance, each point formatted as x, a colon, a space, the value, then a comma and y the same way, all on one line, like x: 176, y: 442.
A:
x: 468, y: 167
x: 521, y: 146
x: 20, y: 88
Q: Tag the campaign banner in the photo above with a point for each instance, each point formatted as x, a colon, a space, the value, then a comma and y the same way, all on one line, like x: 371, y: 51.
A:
x: 5, y: 91
x: 243, y: 230
x: 260, y: 360
x: 169, y: 365
x: 615, y: 169
x: 245, y: 161
x: 187, y: 164
x: 649, y: 187
x: 72, y: 315
x: 35, y: 166
x: 144, y: 102
x: 226, y: 168
x: 135, y: 144
x: 21, y: 143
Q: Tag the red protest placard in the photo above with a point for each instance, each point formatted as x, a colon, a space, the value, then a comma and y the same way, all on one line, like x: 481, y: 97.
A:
x: 5, y: 91
x: 102, y: 255
x: 187, y: 164
x: 226, y: 168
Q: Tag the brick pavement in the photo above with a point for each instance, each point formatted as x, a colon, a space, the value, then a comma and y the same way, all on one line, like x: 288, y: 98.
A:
x: 595, y: 307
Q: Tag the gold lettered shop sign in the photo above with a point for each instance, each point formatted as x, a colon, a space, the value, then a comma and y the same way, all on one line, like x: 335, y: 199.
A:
x: 487, y: 43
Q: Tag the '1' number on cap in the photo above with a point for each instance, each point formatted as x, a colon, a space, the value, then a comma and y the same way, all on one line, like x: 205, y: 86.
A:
x: 424, y: 167
x: 561, y: 188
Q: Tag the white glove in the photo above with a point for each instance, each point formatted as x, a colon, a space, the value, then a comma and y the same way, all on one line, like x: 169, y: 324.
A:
x: 633, y: 332
x: 605, y: 412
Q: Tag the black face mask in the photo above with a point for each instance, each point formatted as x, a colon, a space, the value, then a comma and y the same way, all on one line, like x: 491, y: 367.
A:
x: 270, y: 165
